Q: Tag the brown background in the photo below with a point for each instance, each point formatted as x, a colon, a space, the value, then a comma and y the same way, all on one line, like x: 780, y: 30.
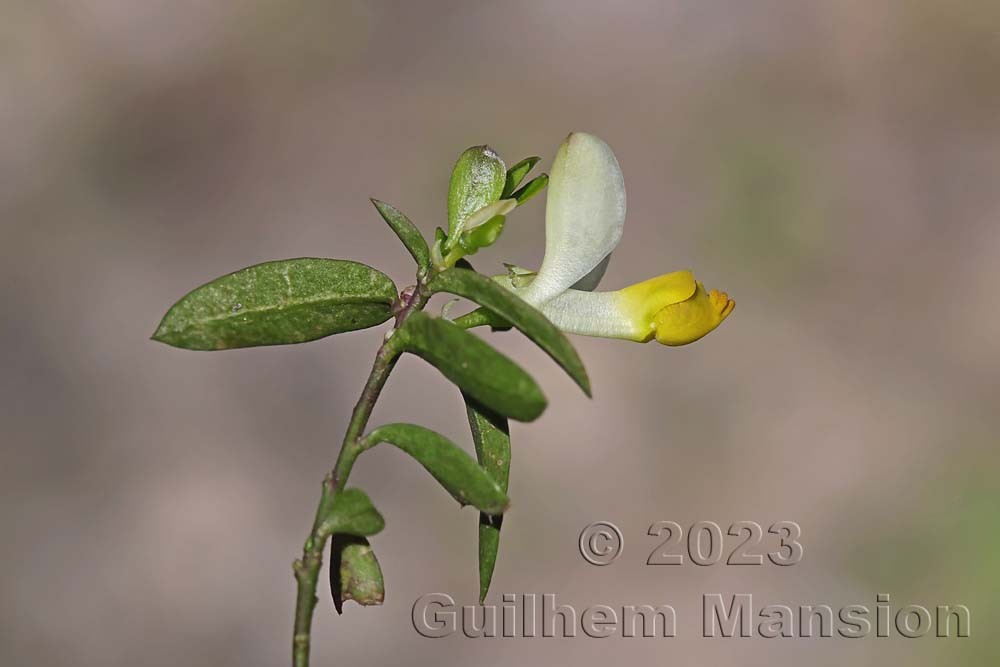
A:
x: 833, y: 165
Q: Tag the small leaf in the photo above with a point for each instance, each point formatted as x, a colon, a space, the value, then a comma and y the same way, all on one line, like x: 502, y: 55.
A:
x: 472, y: 364
x: 491, y: 434
x: 407, y: 233
x: 533, y: 187
x: 476, y: 181
x: 516, y: 174
x: 450, y: 465
x: 354, y: 572
x: 350, y: 512
x: 516, y: 311
x: 276, y: 303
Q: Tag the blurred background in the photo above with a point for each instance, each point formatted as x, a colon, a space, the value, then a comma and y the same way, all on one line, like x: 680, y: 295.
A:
x: 832, y: 165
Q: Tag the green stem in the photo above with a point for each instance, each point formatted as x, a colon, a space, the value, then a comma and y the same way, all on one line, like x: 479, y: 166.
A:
x: 307, y: 568
x: 481, y: 317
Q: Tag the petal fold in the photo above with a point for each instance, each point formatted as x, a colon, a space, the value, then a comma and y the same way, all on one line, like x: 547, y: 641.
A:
x: 584, y: 215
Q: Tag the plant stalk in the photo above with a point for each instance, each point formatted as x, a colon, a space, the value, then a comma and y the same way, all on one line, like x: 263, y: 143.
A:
x: 307, y: 568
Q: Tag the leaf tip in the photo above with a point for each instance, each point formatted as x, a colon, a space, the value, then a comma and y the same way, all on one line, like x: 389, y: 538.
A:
x: 162, y: 335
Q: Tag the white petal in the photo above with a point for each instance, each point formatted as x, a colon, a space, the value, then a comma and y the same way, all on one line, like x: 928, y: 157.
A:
x: 591, y: 314
x: 483, y: 215
x: 584, y: 214
x: 590, y: 281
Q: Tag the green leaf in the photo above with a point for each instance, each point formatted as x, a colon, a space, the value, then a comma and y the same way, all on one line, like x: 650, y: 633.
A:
x: 516, y: 311
x: 491, y: 433
x: 275, y: 303
x: 472, y: 364
x: 350, y: 512
x: 476, y: 181
x: 354, y: 572
x: 516, y: 174
x: 449, y: 464
x: 407, y: 233
x: 533, y: 187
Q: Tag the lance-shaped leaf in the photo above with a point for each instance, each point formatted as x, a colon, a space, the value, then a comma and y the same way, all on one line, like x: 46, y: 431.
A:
x: 354, y: 572
x: 517, y: 312
x: 516, y: 174
x: 407, y: 233
x: 476, y: 181
x: 491, y: 434
x: 475, y: 366
x: 450, y: 465
x: 275, y: 303
x: 350, y: 512
x: 533, y: 187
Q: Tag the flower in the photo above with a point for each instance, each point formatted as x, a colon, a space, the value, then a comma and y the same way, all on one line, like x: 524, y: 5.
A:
x: 584, y: 217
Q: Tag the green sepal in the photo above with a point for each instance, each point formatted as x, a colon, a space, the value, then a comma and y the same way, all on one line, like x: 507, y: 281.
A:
x: 476, y: 181
x: 533, y: 187
x: 516, y: 174
x: 481, y: 317
x: 354, y: 572
x: 277, y: 303
x: 475, y: 366
x: 491, y: 434
x: 517, y: 312
x: 449, y: 464
x: 407, y: 233
x: 482, y: 236
x: 350, y: 512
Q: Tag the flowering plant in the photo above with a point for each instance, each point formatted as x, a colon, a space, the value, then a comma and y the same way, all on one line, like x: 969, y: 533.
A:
x: 300, y: 300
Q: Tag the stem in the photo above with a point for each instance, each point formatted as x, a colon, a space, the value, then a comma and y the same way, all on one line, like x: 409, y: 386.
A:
x: 307, y: 568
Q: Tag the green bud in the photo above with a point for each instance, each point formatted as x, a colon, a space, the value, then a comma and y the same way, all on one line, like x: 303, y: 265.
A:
x: 476, y: 182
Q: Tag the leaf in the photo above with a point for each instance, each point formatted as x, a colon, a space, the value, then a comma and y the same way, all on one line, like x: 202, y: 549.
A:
x: 516, y: 174
x: 491, y: 434
x: 354, y: 572
x: 472, y: 364
x: 527, y: 319
x: 476, y: 181
x: 350, y: 512
x: 533, y: 187
x: 275, y: 303
x: 407, y: 233
x: 449, y: 464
